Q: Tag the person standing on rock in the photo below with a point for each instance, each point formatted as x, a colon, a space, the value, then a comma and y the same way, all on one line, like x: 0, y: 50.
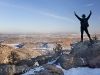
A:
x: 84, y: 25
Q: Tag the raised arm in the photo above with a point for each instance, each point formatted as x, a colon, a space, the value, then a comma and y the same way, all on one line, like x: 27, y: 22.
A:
x: 89, y: 15
x: 77, y: 16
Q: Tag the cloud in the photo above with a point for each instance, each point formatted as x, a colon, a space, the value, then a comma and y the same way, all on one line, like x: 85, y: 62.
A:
x: 28, y: 9
x: 88, y: 5
x: 56, y: 16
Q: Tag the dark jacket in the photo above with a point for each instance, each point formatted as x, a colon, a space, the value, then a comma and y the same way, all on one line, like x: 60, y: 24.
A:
x: 84, y: 21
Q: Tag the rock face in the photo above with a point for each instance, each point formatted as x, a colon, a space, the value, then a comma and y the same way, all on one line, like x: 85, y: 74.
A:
x: 88, y: 51
x: 50, y: 70
x: 82, y: 54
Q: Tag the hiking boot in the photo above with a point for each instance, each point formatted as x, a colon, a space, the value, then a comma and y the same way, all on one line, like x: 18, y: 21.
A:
x: 81, y: 41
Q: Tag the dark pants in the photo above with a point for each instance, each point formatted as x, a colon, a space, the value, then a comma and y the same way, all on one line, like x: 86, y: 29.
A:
x: 82, y: 31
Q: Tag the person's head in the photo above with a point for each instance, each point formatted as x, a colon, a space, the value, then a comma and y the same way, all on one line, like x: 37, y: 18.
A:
x: 83, y: 16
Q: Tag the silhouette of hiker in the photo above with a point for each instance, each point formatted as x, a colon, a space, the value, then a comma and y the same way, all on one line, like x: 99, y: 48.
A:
x: 84, y: 25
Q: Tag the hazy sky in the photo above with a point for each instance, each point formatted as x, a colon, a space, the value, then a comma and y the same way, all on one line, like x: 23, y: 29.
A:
x: 31, y: 16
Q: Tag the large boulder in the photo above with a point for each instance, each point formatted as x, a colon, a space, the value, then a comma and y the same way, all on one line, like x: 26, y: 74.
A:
x: 50, y: 70
x: 68, y: 61
x: 13, y: 70
x: 65, y: 61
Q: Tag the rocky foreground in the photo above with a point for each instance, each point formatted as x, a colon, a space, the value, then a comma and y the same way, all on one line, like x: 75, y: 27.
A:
x: 83, y: 54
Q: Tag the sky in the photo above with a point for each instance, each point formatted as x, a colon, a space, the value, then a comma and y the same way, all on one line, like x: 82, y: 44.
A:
x: 47, y: 16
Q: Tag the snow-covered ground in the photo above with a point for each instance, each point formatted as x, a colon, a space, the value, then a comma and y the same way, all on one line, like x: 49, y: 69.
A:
x: 45, y: 46
x: 72, y: 71
x: 81, y: 71
x: 31, y: 71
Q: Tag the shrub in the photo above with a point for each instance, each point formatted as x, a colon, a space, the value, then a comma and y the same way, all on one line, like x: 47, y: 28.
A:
x: 13, y: 58
x: 95, y: 38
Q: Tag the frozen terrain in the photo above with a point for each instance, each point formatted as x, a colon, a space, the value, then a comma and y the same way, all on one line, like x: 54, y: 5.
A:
x: 72, y: 71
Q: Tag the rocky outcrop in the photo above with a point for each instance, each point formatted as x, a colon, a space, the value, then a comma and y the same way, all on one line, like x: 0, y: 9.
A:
x: 4, y: 51
x: 25, y: 54
x: 88, y: 51
x: 82, y: 54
